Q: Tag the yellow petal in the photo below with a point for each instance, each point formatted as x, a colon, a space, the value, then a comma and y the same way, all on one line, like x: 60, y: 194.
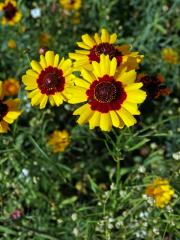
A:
x: 30, y: 72
x: 115, y: 119
x: 97, y: 69
x: 105, y: 122
x: 95, y: 120
x: 105, y: 36
x: 87, y: 75
x: 49, y: 56
x: 137, y: 96
x: 30, y: 82
x: 65, y: 66
x: 82, y: 45
x: 131, y: 107
x: 88, y: 40
x: 133, y: 86
x: 85, y: 116
x: 36, y: 66
x: 97, y: 38
x: 78, y: 94
x: 103, y: 65
x: 36, y: 99
x: 56, y: 60
x: 113, y: 66
x: 126, y: 77
x: 43, y: 101
x: 82, y: 83
x: 43, y: 62
x: 81, y: 109
x: 113, y: 38
x: 58, y: 99
x: 78, y: 56
x: 51, y: 100
x: 127, y: 117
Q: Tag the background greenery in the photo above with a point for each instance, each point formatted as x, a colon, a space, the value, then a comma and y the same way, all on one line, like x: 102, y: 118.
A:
x: 83, y: 193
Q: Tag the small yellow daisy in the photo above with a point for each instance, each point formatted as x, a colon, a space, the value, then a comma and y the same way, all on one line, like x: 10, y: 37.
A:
x: 9, y: 111
x: 11, y: 87
x: 71, y: 4
x: 59, y: 140
x: 11, y: 14
x: 111, y: 95
x: 93, y: 47
x: 48, y: 79
x: 169, y: 55
x: 11, y: 44
x: 160, y: 191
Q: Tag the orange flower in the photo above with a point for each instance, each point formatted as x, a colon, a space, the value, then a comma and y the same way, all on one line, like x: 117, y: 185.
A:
x: 11, y: 87
x: 160, y: 191
x: 154, y: 85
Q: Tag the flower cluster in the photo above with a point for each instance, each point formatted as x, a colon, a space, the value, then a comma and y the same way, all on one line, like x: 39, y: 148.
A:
x: 160, y: 191
x: 59, y: 140
x: 107, y: 84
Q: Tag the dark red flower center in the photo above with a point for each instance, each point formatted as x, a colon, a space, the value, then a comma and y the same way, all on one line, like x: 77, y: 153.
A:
x: 3, y: 110
x: 51, y: 80
x: 9, y: 11
x: 107, y: 49
x: 71, y: 2
x: 106, y: 94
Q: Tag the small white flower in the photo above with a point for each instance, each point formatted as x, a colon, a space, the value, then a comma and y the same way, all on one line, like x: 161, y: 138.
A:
x: 74, y: 216
x: 113, y: 186
x: 141, y: 169
x: 25, y: 172
x: 153, y: 145
x: 176, y: 156
x: 75, y: 232
x: 36, y: 12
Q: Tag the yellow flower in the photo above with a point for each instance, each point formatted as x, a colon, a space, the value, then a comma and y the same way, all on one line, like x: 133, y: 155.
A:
x: 71, y: 4
x: 93, y: 47
x: 59, y: 140
x: 11, y: 14
x: 9, y: 111
x: 160, y: 191
x: 110, y: 93
x: 11, y: 44
x: 11, y: 87
x: 48, y: 79
x: 169, y: 55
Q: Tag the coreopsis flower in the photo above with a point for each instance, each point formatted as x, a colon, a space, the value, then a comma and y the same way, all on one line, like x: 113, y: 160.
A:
x: 11, y: 44
x: 59, y: 140
x: 93, y: 47
x: 9, y: 111
x: 11, y: 87
x: 11, y: 14
x: 70, y: 4
x: 110, y: 95
x: 154, y: 85
x: 169, y: 55
x: 160, y: 191
x: 48, y: 80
